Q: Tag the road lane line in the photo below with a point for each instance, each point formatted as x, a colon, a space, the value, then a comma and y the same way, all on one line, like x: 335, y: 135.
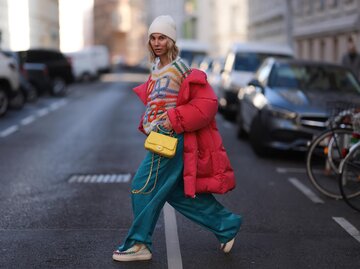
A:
x: 283, y: 170
x: 9, y: 131
x: 172, y: 239
x: 348, y: 227
x: 42, y: 112
x: 305, y: 190
x: 27, y: 120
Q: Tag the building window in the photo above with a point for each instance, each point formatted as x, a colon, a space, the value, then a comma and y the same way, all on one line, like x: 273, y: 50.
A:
x: 322, y: 50
x: 320, y: 4
x: 335, y: 52
x: 333, y: 3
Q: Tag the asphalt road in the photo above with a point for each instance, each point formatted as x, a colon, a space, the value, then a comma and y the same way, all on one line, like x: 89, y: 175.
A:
x: 65, y: 171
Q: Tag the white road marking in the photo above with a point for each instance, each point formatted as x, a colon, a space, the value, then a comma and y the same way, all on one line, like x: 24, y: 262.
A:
x: 54, y: 106
x: 172, y: 239
x: 42, y: 112
x: 295, y: 170
x: 305, y: 190
x: 348, y: 227
x: 101, y: 178
x: 283, y: 170
x: 27, y: 120
x: 9, y: 131
x: 62, y: 102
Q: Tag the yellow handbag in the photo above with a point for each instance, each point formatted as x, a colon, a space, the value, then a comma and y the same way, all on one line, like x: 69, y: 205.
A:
x: 161, y: 144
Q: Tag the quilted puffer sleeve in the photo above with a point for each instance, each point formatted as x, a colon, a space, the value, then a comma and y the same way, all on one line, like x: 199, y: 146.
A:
x: 198, y: 112
x: 141, y: 91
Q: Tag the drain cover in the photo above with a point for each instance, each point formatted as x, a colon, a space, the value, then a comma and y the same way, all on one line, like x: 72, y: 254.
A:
x: 100, y: 178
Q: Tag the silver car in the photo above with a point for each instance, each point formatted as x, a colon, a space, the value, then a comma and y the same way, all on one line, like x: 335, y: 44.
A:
x: 287, y: 102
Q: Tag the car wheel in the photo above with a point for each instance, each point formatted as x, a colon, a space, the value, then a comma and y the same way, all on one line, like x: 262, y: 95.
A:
x: 4, y: 102
x: 18, y: 101
x: 86, y: 77
x: 240, y: 132
x: 59, y: 87
x: 256, y: 138
x: 33, y: 95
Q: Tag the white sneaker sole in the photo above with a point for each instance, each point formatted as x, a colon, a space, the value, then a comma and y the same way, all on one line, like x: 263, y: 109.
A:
x: 129, y: 257
x: 226, y: 248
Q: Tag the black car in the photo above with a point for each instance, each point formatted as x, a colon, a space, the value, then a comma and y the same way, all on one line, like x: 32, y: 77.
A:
x: 286, y: 103
x: 57, y: 65
x: 32, y: 75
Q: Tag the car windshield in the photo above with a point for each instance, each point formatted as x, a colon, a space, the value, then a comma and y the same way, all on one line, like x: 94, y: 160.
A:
x: 189, y: 55
x: 314, y: 78
x: 250, y: 61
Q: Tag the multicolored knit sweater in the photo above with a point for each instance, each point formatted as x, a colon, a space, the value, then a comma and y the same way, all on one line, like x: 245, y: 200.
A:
x: 162, y: 91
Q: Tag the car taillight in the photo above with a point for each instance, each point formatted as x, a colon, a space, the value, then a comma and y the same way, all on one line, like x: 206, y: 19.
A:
x: 69, y: 59
x: 23, y: 71
x: 46, y: 71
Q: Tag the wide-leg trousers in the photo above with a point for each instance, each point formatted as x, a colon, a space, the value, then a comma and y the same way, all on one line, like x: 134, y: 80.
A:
x: 159, y: 180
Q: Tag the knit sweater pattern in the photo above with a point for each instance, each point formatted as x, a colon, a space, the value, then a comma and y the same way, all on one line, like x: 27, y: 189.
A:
x: 162, y: 91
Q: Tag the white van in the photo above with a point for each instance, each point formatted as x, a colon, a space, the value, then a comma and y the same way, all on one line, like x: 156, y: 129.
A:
x: 193, y: 51
x: 89, y: 62
x: 241, y: 63
x: 101, y: 56
x: 83, y: 65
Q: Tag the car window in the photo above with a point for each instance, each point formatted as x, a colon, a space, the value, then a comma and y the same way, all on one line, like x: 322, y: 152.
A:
x: 189, y: 55
x: 42, y: 56
x: 314, y: 78
x: 250, y: 61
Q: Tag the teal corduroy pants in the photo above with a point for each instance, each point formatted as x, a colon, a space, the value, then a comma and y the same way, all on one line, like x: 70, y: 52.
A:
x: 165, y: 183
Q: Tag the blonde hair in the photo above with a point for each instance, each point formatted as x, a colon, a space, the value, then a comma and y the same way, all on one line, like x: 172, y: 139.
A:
x: 173, y: 51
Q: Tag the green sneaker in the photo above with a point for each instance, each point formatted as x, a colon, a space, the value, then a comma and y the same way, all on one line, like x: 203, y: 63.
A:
x: 138, y: 252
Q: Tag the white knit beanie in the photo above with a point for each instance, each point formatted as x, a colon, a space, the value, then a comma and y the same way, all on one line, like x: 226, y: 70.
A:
x: 165, y: 25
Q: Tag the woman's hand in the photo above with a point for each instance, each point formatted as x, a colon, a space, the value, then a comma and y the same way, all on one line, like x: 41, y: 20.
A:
x: 167, y: 124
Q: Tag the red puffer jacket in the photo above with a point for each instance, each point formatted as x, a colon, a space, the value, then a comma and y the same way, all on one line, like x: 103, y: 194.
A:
x: 207, y: 168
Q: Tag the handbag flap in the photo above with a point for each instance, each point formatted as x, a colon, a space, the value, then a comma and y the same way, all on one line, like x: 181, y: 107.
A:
x: 165, y: 141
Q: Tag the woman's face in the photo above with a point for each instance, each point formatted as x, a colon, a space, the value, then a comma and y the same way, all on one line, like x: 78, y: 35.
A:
x: 158, y: 43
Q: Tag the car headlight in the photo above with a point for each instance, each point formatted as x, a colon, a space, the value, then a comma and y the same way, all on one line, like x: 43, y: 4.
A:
x: 282, y: 113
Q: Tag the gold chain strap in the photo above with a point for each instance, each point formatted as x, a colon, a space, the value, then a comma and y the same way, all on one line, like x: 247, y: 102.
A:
x: 141, y: 191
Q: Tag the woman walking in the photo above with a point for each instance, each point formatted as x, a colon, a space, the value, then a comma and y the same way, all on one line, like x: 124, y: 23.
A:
x: 180, y: 101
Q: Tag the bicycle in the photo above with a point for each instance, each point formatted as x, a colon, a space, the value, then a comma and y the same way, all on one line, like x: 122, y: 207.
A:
x: 349, y: 176
x: 328, y: 149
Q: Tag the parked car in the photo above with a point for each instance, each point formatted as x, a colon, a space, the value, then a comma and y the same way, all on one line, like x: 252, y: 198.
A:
x: 101, y: 56
x: 10, y: 93
x: 38, y: 76
x: 35, y: 74
x: 285, y: 104
x: 192, y: 51
x: 213, y: 67
x: 83, y: 65
x: 58, y: 67
x: 241, y: 63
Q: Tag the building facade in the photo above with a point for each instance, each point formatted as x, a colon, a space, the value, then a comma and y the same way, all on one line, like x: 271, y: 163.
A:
x: 229, y: 24
x: 321, y: 28
x: 315, y: 29
x: 4, y: 25
x: 121, y: 26
x: 44, y: 23
x: 29, y: 23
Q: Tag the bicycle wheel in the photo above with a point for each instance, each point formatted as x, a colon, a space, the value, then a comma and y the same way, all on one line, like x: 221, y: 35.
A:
x: 350, y: 178
x: 323, y: 159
